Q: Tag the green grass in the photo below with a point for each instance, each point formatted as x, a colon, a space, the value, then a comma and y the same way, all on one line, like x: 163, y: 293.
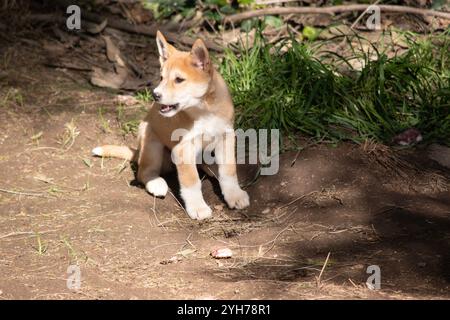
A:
x: 76, y: 256
x: 12, y: 96
x: 126, y: 125
x: 41, y: 247
x: 297, y: 92
x: 104, y: 123
x: 129, y: 122
x: 144, y: 96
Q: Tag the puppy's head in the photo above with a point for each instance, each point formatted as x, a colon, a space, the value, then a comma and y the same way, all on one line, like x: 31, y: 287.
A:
x: 185, y: 76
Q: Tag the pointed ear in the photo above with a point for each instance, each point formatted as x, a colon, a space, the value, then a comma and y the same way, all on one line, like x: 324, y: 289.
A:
x: 200, y: 55
x: 164, y: 48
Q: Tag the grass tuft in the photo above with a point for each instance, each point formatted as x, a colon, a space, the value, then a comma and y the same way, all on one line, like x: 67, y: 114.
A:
x: 286, y: 86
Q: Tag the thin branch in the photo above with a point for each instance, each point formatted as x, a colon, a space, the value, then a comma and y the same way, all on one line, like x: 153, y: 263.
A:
x: 21, y: 193
x: 333, y: 10
x: 21, y: 233
x: 323, y: 268
x: 125, y: 26
x: 296, y: 199
x: 266, y: 2
x: 362, y: 15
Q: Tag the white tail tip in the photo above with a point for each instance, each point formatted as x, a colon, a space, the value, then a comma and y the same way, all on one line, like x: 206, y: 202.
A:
x: 97, y: 151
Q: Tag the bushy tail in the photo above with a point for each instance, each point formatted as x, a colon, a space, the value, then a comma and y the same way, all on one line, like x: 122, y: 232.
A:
x: 122, y: 152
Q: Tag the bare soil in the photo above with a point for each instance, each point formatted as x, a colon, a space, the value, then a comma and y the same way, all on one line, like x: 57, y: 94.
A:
x: 365, y: 205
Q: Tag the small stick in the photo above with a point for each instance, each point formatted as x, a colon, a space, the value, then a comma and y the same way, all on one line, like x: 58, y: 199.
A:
x: 362, y: 15
x: 20, y: 233
x: 120, y: 24
x: 154, y: 212
x: 166, y: 244
x: 266, y: 2
x: 189, y: 241
x: 352, y: 283
x: 295, y: 200
x: 24, y: 193
x: 332, y: 10
x: 180, y: 205
x: 274, y: 240
x: 323, y: 268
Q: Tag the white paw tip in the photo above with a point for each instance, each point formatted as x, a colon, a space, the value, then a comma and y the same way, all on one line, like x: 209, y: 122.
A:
x: 204, y: 213
x: 157, y: 187
x: 200, y: 213
x: 97, y: 151
x: 238, y: 199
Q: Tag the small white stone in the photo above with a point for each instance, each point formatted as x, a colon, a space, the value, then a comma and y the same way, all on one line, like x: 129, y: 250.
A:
x: 222, y: 253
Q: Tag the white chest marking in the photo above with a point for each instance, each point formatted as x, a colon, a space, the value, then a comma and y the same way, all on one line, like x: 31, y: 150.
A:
x: 209, y: 126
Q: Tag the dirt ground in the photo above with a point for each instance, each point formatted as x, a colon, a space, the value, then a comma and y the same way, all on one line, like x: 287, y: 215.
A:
x: 363, y: 205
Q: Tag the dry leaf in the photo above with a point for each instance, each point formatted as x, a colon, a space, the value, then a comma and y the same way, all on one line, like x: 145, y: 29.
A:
x: 43, y: 178
x: 107, y: 79
x: 127, y: 100
x: 186, y: 252
x: 135, y: 83
x: 97, y: 28
x: 113, y: 52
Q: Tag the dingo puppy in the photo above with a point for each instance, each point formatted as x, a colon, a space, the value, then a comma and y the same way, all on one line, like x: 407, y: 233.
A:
x: 192, y: 102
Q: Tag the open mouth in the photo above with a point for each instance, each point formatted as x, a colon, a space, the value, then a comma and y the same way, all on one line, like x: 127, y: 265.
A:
x: 166, y: 109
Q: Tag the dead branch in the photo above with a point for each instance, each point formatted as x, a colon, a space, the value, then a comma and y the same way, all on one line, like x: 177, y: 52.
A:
x: 13, y: 234
x: 333, y: 10
x: 266, y: 2
x: 323, y: 268
x: 123, y: 25
x: 22, y: 193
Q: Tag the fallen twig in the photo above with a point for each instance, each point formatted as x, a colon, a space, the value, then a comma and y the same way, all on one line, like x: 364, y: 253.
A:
x: 62, y: 65
x: 331, y: 11
x: 21, y: 193
x: 295, y: 200
x: 273, y: 241
x: 266, y: 2
x: 125, y: 26
x: 362, y: 15
x: 323, y: 268
x: 21, y: 233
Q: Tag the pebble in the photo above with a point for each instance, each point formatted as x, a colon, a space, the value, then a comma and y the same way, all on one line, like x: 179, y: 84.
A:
x: 222, y: 253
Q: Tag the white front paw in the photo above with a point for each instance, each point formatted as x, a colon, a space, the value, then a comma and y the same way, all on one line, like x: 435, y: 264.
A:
x: 157, y: 187
x: 196, y: 206
x: 199, y: 212
x: 237, y: 198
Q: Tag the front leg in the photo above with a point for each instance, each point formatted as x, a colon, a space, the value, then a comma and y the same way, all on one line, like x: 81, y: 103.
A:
x: 226, y: 161
x: 190, y: 184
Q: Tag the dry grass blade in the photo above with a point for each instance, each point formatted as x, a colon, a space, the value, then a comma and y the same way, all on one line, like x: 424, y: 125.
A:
x: 296, y: 199
x: 22, y: 193
x: 67, y: 139
x: 21, y: 233
x: 386, y: 157
x: 323, y: 268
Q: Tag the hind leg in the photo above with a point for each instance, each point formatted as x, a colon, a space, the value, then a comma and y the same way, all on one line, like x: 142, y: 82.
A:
x: 150, y: 162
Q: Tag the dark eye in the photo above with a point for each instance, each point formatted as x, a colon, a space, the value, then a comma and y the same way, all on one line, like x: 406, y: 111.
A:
x: 179, y: 80
x: 161, y: 79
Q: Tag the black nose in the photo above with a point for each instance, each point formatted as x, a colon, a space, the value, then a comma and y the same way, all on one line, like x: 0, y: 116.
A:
x: 156, y: 95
